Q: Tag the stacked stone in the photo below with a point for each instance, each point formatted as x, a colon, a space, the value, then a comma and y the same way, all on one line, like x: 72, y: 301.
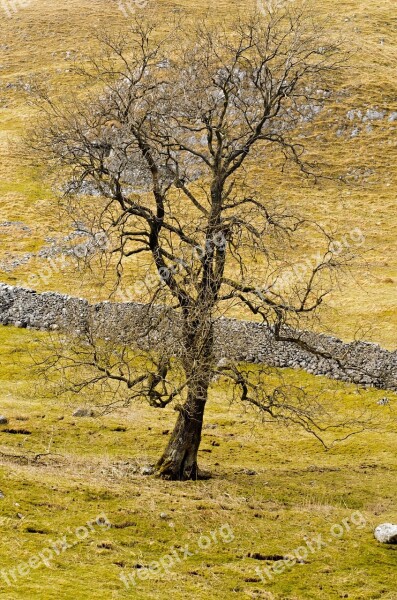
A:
x: 358, y: 362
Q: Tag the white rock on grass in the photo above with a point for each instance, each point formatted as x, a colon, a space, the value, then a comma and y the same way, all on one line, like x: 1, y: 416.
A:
x: 383, y: 401
x: 386, y: 533
x: 147, y: 470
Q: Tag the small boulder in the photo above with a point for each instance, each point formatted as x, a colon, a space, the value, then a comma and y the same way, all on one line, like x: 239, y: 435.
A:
x: 386, y: 533
x: 247, y: 472
x: 84, y: 412
x: 223, y: 362
x: 3, y: 420
x: 383, y: 401
x: 147, y: 470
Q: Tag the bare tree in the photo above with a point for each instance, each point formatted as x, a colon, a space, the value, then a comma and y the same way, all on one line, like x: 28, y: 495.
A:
x: 160, y: 153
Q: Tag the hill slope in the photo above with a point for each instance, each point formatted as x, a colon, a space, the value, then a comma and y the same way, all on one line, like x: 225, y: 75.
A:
x: 42, y: 38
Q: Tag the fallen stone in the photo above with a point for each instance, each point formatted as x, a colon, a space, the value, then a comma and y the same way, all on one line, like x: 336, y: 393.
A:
x: 383, y: 401
x: 84, y: 412
x: 374, y: 115
x: 247, y: 472
x: 386, y: 533
x: 147, y: 470
x: 3, y: 420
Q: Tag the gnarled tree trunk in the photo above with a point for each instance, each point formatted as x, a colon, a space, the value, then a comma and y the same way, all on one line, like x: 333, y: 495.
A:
x: 179, y: 460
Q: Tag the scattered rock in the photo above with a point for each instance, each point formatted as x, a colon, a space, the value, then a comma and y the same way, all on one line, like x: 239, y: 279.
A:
x: 351, y: 114
x: 15, y: 224
x: 386, y: 533
x: 147, y: 470
x: 374, y: 115
x: 1, y: 495
x: 3, y: 420
x: 223, y: 362
x: 164, y: 516
x: 247, y: 472
x: 383, y: 401
x: 83, y: 412
x: 164, y: 64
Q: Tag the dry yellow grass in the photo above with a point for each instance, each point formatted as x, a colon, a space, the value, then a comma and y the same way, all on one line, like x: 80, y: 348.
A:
x: 38, y: 39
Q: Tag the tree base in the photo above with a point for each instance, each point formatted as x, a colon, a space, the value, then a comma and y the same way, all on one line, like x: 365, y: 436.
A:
x: 179, y: 460
x: 170, y: 473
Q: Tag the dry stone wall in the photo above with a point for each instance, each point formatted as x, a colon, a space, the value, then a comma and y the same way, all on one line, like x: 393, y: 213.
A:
x: 359, y: 362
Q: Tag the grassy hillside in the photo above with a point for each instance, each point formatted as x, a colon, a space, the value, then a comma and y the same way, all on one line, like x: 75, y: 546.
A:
x: 43, y: 39
x: 273, y: 491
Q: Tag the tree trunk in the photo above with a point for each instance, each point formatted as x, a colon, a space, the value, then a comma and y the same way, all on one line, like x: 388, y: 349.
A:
x: 179, y: 461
